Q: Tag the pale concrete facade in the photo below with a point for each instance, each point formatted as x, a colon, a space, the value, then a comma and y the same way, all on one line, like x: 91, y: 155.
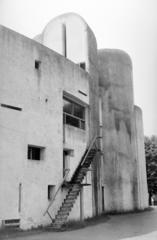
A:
x: 35, y: 79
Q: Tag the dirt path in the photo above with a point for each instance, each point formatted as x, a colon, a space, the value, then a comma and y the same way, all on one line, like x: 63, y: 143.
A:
x: 138, y: 226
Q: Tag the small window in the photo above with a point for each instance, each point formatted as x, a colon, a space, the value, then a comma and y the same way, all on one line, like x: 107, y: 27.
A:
x: 51, y: 191
x: 37, y: 64
x: 35, y: 153
x: 83, y: 65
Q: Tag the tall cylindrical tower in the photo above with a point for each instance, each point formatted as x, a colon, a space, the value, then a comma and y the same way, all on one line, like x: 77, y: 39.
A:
x: 116, y: 94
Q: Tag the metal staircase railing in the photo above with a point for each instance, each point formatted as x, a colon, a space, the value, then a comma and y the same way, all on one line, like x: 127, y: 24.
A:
x: 92, y: 145
x: 54, y: 197
x: 83, y: 159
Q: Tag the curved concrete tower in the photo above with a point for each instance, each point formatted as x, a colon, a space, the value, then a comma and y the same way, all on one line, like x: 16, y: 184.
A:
x: 116, y: 94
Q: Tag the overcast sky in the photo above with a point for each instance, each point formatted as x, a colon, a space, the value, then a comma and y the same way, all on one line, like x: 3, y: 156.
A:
x: 130, y: 25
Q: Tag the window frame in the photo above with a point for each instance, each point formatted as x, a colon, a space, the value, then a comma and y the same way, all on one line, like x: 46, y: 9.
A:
x: 81, y: 120
x: 32, y: 148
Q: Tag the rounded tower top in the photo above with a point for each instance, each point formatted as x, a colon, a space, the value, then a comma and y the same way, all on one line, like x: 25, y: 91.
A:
x: 115, y: 75
x: 70, y: 36
x: 116, y: 54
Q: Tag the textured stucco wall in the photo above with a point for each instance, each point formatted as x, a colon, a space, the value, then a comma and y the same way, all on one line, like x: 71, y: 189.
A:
x: 39, y: 93
x: 116, y: 92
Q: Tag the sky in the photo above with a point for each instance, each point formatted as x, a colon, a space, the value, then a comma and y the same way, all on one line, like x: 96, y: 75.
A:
x: 130, y: 25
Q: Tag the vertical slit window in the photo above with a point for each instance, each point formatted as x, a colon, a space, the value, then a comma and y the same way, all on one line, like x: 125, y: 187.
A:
x: 64, y: 40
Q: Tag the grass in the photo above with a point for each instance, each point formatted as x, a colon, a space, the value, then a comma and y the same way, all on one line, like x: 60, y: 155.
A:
x: 77, y: 224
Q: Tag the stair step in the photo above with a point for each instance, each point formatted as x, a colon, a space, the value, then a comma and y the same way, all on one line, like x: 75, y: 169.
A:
x: 73, y: 193
x: 64, y: 211
x: 69, y: 201
x: 61, y: 217
x: 74, y: 190
x: 67, y: 206
x: 63, y: 208
x: 71, y: 197
x: 59, y: 223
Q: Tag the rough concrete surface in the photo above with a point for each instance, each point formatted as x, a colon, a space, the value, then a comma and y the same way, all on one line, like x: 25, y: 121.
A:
x: 136, y: 226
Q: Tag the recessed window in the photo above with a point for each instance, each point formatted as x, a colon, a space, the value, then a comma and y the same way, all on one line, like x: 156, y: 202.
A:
x: 82, y: 65
x: 37, y: 64
x: 35, y: 153
x: 51, y: 191
x: 73, y: 114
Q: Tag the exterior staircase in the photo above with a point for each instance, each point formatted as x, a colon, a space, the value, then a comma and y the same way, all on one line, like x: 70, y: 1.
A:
x: 75, y: 186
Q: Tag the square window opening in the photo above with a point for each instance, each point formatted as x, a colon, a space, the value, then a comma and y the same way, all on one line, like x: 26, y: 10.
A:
x: 83, y: 65
x: 37, y: 64
x: 35, y: 153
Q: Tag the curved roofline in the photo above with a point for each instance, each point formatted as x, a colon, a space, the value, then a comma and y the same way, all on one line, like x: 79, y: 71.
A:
x: 70, y: 14
x: 119, y: 52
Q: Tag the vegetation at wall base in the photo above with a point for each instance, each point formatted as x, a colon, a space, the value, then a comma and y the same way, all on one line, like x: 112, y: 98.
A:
x: 151, y: 163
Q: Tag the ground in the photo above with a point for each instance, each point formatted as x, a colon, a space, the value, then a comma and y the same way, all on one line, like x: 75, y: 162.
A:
x: 134, y: 226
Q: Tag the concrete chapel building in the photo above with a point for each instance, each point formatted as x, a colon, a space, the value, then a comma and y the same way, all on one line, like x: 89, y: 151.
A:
x: 71, y: 143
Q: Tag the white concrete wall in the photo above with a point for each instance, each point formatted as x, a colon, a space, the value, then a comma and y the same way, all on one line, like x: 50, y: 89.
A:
x: 81, y: 46
x: 39, y: 93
